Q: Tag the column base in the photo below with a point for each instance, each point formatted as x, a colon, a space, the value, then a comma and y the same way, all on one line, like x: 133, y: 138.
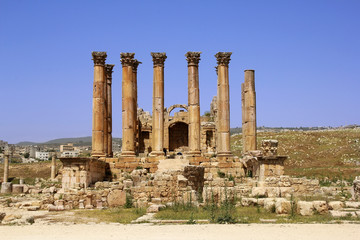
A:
x: 98, y: 154
x: 6, y: 187
x: 128, y: 154
x: 193, y: 153
x: 156, y: 153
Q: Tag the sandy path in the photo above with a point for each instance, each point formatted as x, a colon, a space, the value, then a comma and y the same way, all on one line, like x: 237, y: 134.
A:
x: 170, y: 232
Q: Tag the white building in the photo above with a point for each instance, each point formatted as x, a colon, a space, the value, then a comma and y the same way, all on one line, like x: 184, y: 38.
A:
x: 42, y: 155
x: 70, y: 154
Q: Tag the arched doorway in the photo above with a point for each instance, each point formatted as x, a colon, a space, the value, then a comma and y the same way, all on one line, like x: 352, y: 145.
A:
x: 178, y: 136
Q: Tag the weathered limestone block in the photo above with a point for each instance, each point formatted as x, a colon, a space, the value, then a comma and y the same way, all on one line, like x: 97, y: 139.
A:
x: 6, y: 187
x: 335, y: 214
x: 349, y: 204
x: 356, y: 186
x: 305, y: 208
x: 258, y: 192
x: 282, y: 206
x: 116, y: 198
x: 321, y: 207
x: 336, y: 205
x: 154, y: 208
x: 17, y: 188
x: 269, y: 204
x: 286, y: 191
x: 272, y: 192
x: 2, y: 216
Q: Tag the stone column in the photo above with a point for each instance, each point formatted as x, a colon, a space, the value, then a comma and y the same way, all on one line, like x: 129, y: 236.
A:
x: 136, y: 124
x: 193, y: 59
x: 128, y: 105
x: 109, y: 71
x: 53, y: 166
x: 98, y: 104
x: 223, y: 59
x: 158, y: 104
x: 249, y: 112
x: 105, y: 119
x: 6, y: 166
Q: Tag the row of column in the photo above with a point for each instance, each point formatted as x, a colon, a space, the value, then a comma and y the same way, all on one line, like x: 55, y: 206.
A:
x: 102, y: 106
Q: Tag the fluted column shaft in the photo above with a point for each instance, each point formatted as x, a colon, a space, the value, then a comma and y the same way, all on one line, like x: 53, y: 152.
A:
x: 53, y: 166
x: 128, y: 105
x: 249, y: 112
x: 99, y: 108
x: 109, y: 70
x: 6, y: 167
x: 223, y: 59
x: 158, y: 105
x: 193, y: 59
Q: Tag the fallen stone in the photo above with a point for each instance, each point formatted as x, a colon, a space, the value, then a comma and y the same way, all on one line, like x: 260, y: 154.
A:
x: 154, y: 208
x: 53, y: 208
x: 305, y: 208
x: 334, y: 213
x: 116, y: 198
x: 258, y: 192
x: 282, y: 206
x: 33, y: 208
x: 321, y: 207
x: 6, y: 187
x: 2, y: 215
x: 349, y: 204
x: 272, y: 192
x: 17, y: 188
x: 336, y: 205
x: 11, y: 217
x: 269, y: 204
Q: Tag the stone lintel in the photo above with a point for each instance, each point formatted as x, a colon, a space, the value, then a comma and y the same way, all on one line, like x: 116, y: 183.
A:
x: 127, y: 59
x: 135, y: 65
x: 99, y: 58
x: 223, y: 58
x: 158, y: 58
x: 193, y: 58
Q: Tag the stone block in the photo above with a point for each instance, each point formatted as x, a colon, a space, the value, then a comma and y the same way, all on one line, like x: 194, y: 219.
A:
x: 272, y: 192
x: 305, y: 208
x: 321, y: 207
x: 258, y: 192
x: 269, y: 204
x: 6, y: 187
x: 335, y: 214
x: 349, y: 204
x: 116, y: 198
x: 154, y: 208
x: 17, y: 188
x: 336, y: 205
x: 282, y: 206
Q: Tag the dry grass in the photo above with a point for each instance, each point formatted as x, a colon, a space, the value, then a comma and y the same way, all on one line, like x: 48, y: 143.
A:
x: 329, y: 153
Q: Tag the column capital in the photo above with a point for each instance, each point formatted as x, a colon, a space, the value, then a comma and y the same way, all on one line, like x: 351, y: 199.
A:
x: 109, y: 69
x: 193, y: 58
x: 158, y: 58
x: 135, y: 65
x: 223, y: 58
x: 216, y: 70
x: 99, y: 58
x: 127, y: 59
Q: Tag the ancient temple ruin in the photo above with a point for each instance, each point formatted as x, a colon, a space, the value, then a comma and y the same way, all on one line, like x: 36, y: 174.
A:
x: 162, y: 141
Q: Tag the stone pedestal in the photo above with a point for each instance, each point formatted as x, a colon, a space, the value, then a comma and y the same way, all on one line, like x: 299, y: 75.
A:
x: 249, y: 112
x: 128, y: 105
x: 6, y: 187
x: 17, y: 188
x: 158, y: 105
x: 223, y: 143
x: 109, y: 70
x: 193, y: 59
x: 99, y: 108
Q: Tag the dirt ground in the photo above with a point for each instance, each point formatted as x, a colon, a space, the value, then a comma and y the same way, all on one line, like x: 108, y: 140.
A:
x: 188, y: 232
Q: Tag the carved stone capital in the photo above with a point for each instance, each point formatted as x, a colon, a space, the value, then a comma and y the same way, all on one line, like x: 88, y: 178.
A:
x: 158, y: 58
x: 135, y: 65
x: 223, y: 58
x: 127, y: 59
x: 99, y: 58
x: 109, y: 70
x: 216, y: 70
x: 193, y: 58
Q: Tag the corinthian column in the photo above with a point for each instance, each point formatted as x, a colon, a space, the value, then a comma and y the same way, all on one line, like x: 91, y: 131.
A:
x: 128, y: 105
x: 249, y: 112
x: 109, y: 70
x: 158, y: 104
x: 223, y: 59
x: 134, y: 74
x: 193, y: 59
x: 99, y: 107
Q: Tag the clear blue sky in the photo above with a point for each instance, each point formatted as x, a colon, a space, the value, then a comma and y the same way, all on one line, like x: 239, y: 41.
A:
x: 305, y: 55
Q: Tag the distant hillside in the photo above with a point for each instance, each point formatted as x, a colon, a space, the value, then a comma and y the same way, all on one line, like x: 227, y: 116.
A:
x: 79, y: 141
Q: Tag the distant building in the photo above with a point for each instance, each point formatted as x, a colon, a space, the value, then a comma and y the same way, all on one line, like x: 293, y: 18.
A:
x: 42, y: 155
x: 70, y: 154
x: 3, y: 144
x: 66, y: 148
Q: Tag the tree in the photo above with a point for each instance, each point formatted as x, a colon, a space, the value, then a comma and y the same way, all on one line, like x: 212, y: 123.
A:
x: 26, y: 155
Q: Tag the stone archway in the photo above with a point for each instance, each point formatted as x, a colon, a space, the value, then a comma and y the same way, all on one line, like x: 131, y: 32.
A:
x: 178, y: 136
